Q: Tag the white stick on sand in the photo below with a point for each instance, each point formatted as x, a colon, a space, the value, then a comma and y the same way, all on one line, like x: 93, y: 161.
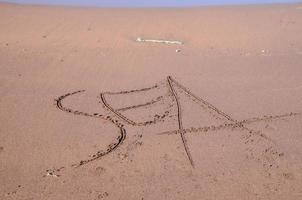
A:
x: 139, y: 39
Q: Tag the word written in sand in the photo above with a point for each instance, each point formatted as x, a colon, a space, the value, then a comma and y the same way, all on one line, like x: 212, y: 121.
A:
x: 170, y: 105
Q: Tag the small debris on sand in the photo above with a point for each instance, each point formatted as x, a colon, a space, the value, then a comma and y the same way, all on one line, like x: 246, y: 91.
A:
x: 53, y: 172
x: 139, y: 39
x: 103, y: 195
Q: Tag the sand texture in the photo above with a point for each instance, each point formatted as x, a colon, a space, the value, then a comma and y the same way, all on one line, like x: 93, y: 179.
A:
x: 148, y: 104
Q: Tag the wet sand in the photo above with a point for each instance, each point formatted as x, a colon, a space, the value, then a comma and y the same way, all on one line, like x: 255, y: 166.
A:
x: 186, y: 103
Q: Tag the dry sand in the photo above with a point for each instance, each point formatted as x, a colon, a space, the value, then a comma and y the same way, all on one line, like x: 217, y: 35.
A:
x: 88, y: 112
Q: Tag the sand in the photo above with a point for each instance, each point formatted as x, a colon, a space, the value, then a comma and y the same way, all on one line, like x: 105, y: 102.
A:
x: 93, y: 108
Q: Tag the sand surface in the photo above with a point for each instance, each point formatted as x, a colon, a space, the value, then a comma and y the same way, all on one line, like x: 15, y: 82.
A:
x: 89, y: 111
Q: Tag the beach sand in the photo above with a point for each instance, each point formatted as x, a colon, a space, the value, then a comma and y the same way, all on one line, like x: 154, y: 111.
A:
x: 92, y: 108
